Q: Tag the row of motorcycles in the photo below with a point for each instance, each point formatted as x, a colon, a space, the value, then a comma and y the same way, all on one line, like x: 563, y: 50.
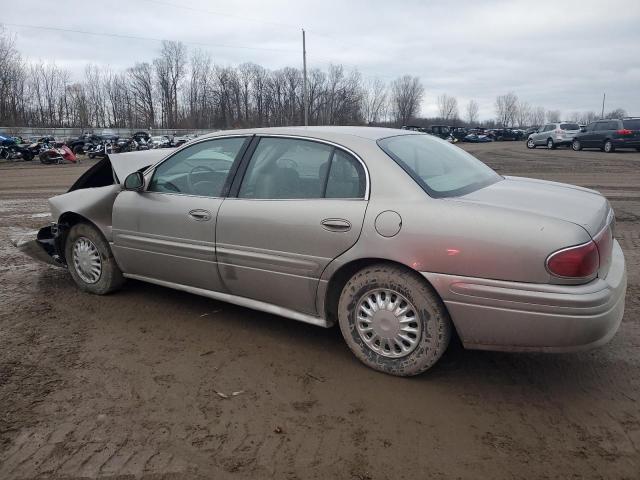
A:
x: 46, y: 149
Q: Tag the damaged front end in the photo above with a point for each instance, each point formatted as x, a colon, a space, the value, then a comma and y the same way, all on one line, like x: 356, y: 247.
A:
x: 43, y: 246
x: 90, y: 200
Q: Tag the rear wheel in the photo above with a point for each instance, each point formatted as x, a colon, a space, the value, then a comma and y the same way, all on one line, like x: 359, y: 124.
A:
x: 575, y: 145
x: 393, y: 321
x: 608, y: 147
x: 90, y: 260
x: 550, y: 144
x: 531, y: 143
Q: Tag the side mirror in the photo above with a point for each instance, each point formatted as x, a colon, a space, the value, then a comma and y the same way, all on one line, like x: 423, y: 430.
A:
x: 134, y: 182
x: 583, y: 129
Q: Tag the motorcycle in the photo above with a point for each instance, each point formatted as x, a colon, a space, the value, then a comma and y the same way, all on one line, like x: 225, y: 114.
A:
x: 101, y: 150
x: 10, y: 150
x: 56, y: 154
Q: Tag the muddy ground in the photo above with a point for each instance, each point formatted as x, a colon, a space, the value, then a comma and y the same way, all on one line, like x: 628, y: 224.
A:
x: 128, y: 385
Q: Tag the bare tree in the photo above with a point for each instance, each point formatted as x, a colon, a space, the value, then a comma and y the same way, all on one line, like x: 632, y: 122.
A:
x: 617, y: 113
x: 447, y: 107
x: 538, y: 115
x: 141, y: 86
x: 506, y: 109
x: 553, y: 116
x: 472, y: 112
x: 374, y: 101
x: 523, y: 115
x: 170, y: 69
x: 406, y: 98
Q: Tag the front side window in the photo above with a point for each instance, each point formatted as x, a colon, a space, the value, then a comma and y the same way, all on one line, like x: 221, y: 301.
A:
x: 441, y: 169
x: 287, y: 168
x: 201, y: 169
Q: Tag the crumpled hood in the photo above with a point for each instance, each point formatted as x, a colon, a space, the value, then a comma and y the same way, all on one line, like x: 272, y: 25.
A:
x: 582, y: 206
x: 125, y: 163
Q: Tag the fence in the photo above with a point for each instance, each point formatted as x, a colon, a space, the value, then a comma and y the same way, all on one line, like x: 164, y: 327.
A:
x: 75, y: 132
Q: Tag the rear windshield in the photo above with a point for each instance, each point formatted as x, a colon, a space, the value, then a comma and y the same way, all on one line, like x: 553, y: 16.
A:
x: 569, y: 126
x: 631, y: 124
x: 441, y: 169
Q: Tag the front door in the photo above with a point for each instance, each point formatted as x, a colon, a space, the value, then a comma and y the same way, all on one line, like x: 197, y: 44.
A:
x: 298, y: 205
x: 167, y: 231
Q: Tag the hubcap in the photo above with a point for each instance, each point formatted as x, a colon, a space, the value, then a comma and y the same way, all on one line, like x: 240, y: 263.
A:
x: 607, y: 147
x: 388, y: 323
x: 550, y: 144
x: 86, y: 260
x: 530, y: 143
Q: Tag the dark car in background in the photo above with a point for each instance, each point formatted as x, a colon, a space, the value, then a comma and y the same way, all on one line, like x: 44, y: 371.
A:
x: 609, y: 135
x: 501, y: 134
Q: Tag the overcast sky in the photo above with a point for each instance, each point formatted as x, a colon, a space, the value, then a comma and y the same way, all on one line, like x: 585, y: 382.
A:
x: 556, y: 54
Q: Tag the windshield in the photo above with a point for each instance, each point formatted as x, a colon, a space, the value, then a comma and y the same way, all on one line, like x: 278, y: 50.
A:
x: 441, y: 169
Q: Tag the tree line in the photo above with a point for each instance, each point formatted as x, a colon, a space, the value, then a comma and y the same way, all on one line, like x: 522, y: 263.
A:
x: 182, y: 89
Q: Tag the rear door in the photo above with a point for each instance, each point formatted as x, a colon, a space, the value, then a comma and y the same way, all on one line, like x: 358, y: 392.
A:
x: 296, y: 204
x: 167, y: 231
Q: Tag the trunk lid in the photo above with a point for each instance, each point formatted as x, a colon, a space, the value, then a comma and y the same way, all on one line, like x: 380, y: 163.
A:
x: 582, y: 206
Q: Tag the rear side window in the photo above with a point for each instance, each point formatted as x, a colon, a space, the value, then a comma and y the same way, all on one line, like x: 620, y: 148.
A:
x: 548, y: 128
x: 613, y: 125
x: 569, y: 126
x: 631, y: 124
x: 441, y: 169
x: 287, y: 168
x: 602, y: 126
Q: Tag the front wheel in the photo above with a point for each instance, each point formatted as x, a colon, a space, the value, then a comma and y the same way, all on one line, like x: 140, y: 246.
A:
x: 550, y: 144
x: 608, y: 147
x: 531, y: 143
x: 393, y: 321
x: 90, y: 260
x: 576, y: 146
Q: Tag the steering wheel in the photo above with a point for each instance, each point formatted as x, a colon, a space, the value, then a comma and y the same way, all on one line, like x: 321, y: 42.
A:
x: 287, y: 162
x: 190, y: 181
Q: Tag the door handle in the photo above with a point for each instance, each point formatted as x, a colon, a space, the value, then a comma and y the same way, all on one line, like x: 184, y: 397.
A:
x: 200, y: 215
x: 336, y: 224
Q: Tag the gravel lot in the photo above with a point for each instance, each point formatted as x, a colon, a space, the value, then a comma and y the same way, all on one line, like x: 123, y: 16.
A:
x: 132, y: 384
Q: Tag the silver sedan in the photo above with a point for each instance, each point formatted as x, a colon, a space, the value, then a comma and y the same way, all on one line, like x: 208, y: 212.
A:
x: 399, y: 237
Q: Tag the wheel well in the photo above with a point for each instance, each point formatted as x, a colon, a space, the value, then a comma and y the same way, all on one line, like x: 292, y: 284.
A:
x: 65, y: 222
x: 341, y: 276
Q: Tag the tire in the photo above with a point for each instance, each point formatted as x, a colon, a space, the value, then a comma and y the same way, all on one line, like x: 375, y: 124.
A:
x: 27, y: 156
x: 531, y: 143
x: 430, y: 332
x: 78, y: 149
x: 550, y: 144
x: 638, y: 149
x: 576, y: 146
x: 90, y: 242
x: 608, y: 147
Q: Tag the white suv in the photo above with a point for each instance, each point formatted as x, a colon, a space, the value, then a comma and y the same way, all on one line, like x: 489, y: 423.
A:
x: 553, y: 134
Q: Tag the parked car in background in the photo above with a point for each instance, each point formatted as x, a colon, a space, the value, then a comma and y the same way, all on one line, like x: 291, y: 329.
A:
x: 609, y: 135
x: 160, y: 141
x: 476, y: 136
x: 459, y: 133
x: 501, y: 134
x: 531, y: 130
x: 399, y: 237
x: 552, y: 135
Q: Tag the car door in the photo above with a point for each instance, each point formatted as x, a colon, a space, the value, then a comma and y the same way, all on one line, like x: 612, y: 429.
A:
x: 599, y: 134
x: 167, y: 231
x: 296, y: 205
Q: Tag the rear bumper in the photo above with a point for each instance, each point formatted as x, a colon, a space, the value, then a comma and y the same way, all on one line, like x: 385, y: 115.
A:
x: 511, y: 316
x: 626, y: 143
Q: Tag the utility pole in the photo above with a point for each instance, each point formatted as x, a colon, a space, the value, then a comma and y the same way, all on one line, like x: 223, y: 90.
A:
x: 604, y: 95
x: 304, y: 80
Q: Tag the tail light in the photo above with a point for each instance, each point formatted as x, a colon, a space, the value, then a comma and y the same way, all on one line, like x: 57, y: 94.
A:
x: 624, y: 131
x: 558, y: 131
x: 580, y: 261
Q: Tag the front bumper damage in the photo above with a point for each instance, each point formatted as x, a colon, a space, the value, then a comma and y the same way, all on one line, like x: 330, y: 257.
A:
x: 43, y: 246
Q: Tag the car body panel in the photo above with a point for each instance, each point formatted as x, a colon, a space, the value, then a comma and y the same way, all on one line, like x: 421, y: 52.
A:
x: 483, y: 252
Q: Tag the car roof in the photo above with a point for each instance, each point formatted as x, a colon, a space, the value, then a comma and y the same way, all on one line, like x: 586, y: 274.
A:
x: 320, y: 132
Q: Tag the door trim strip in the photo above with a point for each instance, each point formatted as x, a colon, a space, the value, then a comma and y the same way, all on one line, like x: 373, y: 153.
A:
x: 236, y: 300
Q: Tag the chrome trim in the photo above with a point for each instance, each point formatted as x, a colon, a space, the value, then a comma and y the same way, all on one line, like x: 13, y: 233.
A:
x: 328, y: 142
x: 236, y: 300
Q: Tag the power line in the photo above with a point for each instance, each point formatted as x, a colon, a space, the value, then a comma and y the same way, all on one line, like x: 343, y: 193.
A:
x: 137, y: 37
